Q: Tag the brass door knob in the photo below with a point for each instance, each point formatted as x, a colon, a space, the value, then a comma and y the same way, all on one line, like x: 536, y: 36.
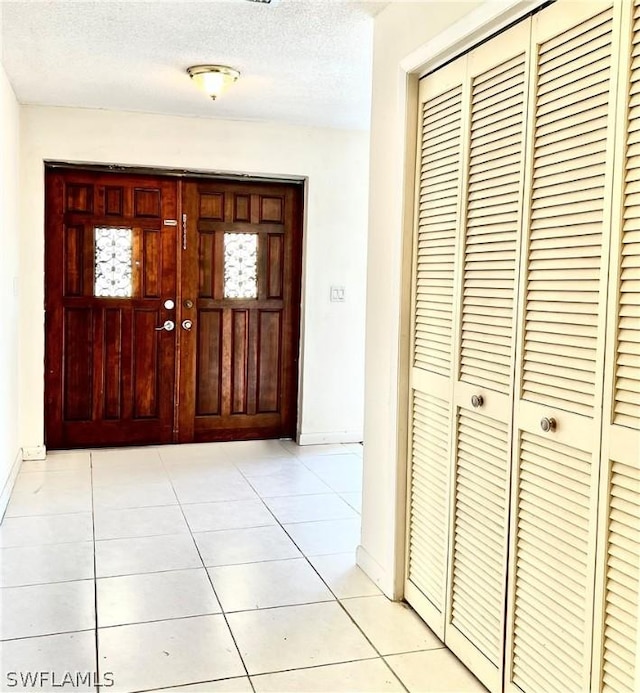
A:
x: 548, y: 425
x: 477, y: 401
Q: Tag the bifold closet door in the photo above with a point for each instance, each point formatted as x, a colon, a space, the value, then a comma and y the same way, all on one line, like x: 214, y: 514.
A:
x: 616, y: 651
x: 438, y: 210
x: 484, y: 348
x: 557, y: 418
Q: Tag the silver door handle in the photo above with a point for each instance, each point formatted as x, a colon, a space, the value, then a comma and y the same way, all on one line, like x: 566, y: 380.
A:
x: 187, y: 324
x: 169, y: 326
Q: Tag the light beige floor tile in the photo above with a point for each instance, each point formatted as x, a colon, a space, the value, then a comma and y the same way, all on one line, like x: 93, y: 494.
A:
x: 46, y: 529
x: 234, y: 546
x: 293, y: 482
x: 266, y: 466
x: 58, y: 461
x: 343, y: 576
x: 253, y: 449
x: 49, y: 502
x: 435, y: 671
x: 330, y: 536
x: 343, y: 481
x: 145, y: 555
x: 303, y: 451
x: 326, y: 506
x: 293, y: 637
x: 168, y: 653
x: 203, y: 471
x: 139, y: 522
x: 37, y: 482
x: 54, y: 654
x: 124, y: 456
x: 354, y: 448
x: 155, y: 597
x: 353, y: 499
x: 333, y: 464
x: 392, y: 627
x: 178, y: 454
x: 47, y: 609
x: 367, y: 676
x: 262, y: 585
x: 143, y: 472
x: 222, y: 488
x: 208, y: 517
x: 237, y: 685
x: 134, y: 496
x: 33, y: 565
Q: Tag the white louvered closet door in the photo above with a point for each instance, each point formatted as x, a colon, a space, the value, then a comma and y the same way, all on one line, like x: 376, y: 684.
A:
x: 438, y: 209
x: 616, y: 668
x: 557, y: 416
x: 488, y: 263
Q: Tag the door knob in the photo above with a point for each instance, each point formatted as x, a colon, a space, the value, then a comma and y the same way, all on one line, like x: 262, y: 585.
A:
x: 168, y: 325
x: 187, y: 324
x: 548, y: 425
x: 477, y: 401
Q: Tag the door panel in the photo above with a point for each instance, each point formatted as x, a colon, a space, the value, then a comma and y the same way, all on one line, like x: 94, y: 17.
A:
x: 557, y: 418
x: 241, y: 277
x: 110, y: 264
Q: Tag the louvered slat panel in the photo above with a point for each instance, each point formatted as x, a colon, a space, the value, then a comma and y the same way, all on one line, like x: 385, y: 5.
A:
x: 428, y: 497
x: 551, y: 574
x: 622, y: 581
x: 565, y: 242
x: 493, y: 203
x: 437, y: 225
x: 479, y: 531
x: 626, y: 405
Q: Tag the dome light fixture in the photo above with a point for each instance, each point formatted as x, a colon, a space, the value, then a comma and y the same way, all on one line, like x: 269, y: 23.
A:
x: 213, y: 79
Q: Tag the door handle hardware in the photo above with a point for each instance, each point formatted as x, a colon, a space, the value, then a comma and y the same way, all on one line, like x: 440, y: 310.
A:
x: 477, y: 401
x: 187, y: 325
x: 184, y: 231
x: 188, y: 303
x: 168, y: 325
x: 548, y: 425
x: 169, y: 304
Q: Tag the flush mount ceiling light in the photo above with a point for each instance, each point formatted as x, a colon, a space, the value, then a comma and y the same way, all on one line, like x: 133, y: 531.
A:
x: 213, y: 79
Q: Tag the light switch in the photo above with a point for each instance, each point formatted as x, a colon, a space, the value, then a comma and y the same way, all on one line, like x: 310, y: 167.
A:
x: 337, y: 294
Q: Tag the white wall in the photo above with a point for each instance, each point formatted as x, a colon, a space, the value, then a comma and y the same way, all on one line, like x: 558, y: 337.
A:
x: 399, y: 30
x: 335, y: 162
x: 9, y: 190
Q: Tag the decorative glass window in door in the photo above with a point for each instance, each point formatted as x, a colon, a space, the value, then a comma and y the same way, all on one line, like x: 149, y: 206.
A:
x: 113, y: 255
x: 241, y: 265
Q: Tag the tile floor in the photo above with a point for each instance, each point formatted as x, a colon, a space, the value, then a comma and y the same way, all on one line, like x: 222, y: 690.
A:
x: 220, y: 567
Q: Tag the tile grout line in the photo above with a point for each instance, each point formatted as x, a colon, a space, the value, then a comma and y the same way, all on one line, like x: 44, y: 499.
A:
x: 197, y: 548
x: 95, y: 576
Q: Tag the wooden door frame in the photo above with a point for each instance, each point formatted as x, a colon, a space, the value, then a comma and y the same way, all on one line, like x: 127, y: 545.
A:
x: 220, y: 176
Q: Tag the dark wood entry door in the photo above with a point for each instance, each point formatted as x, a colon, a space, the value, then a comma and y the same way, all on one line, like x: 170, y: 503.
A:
x: 217, y: 264
x: 110, y: 264
x: 242, y: 277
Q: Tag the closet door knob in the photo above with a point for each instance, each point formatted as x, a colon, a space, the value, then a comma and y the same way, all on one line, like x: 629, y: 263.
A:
x: 477, y: 401
x: 548, y: 425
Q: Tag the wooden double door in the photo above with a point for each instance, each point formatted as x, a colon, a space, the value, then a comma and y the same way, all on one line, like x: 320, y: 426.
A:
x: 172, y: 308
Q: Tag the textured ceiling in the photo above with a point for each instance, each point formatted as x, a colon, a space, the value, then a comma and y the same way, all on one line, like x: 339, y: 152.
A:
x: 302, y: 62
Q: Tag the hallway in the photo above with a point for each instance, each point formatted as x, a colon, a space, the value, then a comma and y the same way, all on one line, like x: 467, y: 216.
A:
x: 205, y: 565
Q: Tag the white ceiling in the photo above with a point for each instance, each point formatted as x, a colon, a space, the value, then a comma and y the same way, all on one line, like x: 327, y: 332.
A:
x: 302, y: 61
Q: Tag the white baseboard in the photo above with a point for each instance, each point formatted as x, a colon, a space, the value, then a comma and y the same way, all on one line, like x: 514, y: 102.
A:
x: 35, y: 452
x: 8, y: 486
x: 330, y: 438
x: 375, y: 571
